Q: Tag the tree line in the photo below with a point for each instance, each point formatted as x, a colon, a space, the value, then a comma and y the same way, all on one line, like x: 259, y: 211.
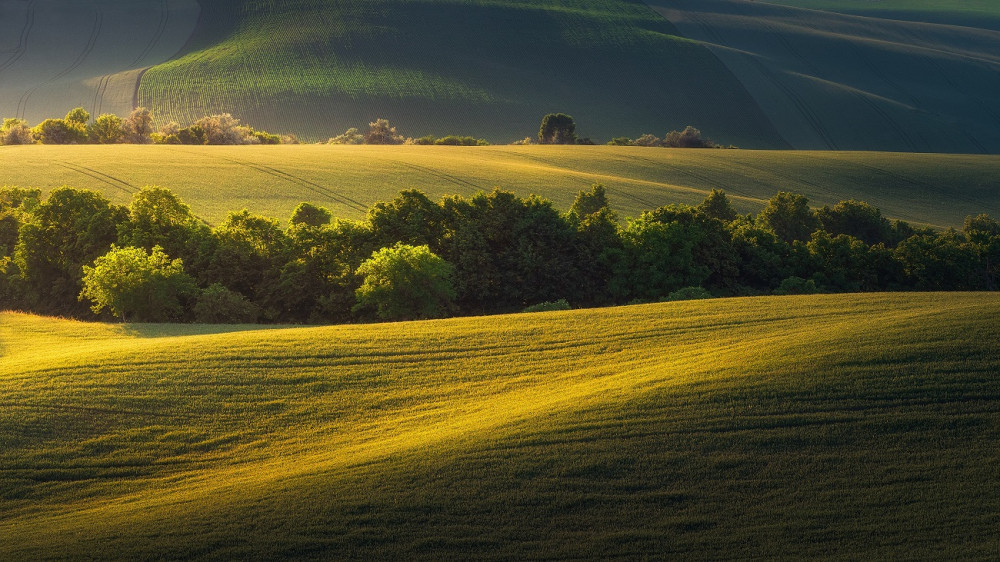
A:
x: 77, y: 127
x: 75, y: 252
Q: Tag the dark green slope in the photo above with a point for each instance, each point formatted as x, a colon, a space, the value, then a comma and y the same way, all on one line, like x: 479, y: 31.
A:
x: 910, y: 80
x: 487, y: 68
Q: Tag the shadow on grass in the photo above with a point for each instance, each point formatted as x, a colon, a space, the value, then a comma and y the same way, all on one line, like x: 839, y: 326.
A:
x: 179, y: 330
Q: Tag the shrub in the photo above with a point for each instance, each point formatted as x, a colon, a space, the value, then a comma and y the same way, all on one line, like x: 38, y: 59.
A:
x: 620, y: 141
x: 350, y: 136
x: 688, y: 138
x: 379, y: 132
x: 60, y: 131
x: 549, y: 306
x: 647, y: 140
x: 310, y: 215
x: 138, y: 126
x: 130, y: 283
x: 405, y: 283
x: 16, y: 131
x: 689, y: 293
x: 219, y: 305
x: 797, y: 286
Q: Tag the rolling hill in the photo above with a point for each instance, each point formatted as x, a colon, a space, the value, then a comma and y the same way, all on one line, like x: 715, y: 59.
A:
x: 706, y: 429
x: 932, y: 189
x: 900, y: 75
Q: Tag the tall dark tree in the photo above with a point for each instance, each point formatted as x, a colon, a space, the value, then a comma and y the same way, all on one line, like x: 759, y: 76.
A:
x: 788, y: 215
x: 557, y: 128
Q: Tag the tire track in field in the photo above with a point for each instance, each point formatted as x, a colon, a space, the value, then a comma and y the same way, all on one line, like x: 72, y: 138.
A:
x: 447, y: 177
x: 901, y: 179
x: 22, y: 103
x: 157, y: 35
x: 101, y: 177
x: 102, y: 88
x: 312, y: 186
x: 630, y: 196
x: 22, y: 44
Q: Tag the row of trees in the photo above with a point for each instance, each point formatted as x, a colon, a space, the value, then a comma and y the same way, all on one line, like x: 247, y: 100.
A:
x: 78, y: 128
x: 381, y: 132
x: 493, y: 252
x: 559, y: 128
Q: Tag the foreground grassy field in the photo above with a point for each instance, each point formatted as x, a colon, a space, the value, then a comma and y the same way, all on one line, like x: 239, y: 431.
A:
x: 939, y: 190
x: 852, y: 426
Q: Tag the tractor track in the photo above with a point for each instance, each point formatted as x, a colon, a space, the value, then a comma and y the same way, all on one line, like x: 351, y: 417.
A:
x: 22, y: 103
x: 157, y: 35
x: 22, y: 44
x: 102, y: 177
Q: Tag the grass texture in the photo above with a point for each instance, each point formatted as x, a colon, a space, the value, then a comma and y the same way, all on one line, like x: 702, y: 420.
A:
x: 895, y: 75
x: 938, y: 190
x: 851, y: 426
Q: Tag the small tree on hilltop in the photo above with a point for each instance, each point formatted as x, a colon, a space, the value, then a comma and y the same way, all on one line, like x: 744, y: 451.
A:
x: 138, y: 126
x: 557, y: 128
x: 405, y: 283
x: 380, y: 132
x: 131, y: 283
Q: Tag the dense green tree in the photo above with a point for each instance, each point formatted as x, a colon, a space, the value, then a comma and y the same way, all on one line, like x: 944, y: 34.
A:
x: 712, y: 244
x: 310, y: 215
x: 939, y: 262
x: 857, y: 219
x: 68, y: 230
x: 137, y: 286
x: 78, y: 116
x: 508, y: 252
x: 717, y: 206
x: 405, y: 283
x: 410, y: 218
x: 557, y: 128
x: 250, y: 254
x: 107, y: 129
x: 60, y: 131
x: 590, y: 202
x: 788, y: 215
x: 157, y: 217
x: 219, y: 305
x: 983, y: 234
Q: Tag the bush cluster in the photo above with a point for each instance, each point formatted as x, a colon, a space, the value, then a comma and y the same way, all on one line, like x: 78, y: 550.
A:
x: 411, y: 257
x: 137, y: 128
x: 381, y: 132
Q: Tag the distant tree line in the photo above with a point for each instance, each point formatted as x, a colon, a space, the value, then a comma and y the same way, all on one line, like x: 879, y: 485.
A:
x: 74, y: 252
x: 137, y: 128
x: 381, y: 132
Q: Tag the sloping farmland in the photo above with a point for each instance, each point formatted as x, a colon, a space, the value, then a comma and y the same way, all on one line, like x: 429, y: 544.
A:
x: 846, y: 81
x: 59, y: 54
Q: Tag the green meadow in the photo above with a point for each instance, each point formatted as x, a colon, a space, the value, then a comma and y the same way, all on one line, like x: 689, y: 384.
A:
x: 849, y: 426
x: 931, y: 189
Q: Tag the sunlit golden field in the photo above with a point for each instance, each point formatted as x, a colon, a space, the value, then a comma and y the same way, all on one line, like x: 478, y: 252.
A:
x: 853, y: 426
x: 933, y: 189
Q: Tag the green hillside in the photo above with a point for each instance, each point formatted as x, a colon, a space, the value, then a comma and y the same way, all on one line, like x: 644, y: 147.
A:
x: 933, y: 189
x: 902, y: 78
x: 483, y: 67
x: 706, y: 429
